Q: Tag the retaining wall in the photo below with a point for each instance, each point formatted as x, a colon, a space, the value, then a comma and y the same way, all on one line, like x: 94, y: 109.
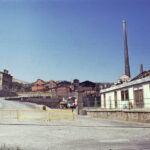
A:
x: 125, y: 115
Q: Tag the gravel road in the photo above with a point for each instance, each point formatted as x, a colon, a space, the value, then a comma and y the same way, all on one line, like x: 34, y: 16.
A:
x: 16, y: 105
x: 83, y: 133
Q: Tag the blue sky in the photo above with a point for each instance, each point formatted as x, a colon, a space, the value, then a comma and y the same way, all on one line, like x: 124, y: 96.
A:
x: 67, y: 39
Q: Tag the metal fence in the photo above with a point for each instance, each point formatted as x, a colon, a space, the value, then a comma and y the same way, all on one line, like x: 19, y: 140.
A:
x: 35, y: 114
x: 91, y: 101
x: 130, y: 104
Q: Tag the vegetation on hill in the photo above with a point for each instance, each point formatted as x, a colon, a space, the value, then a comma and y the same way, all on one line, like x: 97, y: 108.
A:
x: 19, y: 87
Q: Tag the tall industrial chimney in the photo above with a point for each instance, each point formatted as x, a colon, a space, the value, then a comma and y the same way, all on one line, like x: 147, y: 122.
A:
x: 141, y: 68
x: 126, y: 57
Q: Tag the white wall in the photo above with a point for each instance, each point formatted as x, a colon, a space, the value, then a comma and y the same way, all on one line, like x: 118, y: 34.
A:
x: 131, y: 95
x: 146, y: 95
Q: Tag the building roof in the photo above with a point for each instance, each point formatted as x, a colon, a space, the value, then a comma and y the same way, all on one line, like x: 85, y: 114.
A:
x: 63, y: 83
x: 87, y: 84
x: 5, y: 73
x: 50, y: 82
x: 39, y: 81
x: 142, y: 75
x: 127, y: 84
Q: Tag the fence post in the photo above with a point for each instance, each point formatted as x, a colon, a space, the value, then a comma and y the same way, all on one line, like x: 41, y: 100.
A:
x: 45, y: 115
x: 49, y: 116
x: 18, y: 114
x: 72, y: 116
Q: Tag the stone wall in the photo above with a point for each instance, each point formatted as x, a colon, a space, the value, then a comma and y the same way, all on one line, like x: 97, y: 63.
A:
x: 124, y: 115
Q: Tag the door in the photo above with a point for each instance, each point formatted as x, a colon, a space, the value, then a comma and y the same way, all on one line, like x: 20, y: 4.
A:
x: 138, y: 99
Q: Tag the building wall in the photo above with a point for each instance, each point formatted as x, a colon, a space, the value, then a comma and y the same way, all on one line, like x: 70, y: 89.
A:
x: 39, y: 82
x: 131, y: 95
x: 40, y: 85
x: 63, y: 91
x: 110, y: 99
x: 52, y: 91
x: 50, y: 84
x: 38, y: 88
x: 146, y: 89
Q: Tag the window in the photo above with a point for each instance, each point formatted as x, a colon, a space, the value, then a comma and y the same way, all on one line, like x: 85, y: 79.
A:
x: 124, y: 95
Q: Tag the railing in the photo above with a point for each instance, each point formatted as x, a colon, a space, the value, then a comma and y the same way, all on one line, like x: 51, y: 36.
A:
x: 130, y: 104
x: 91, y: 101
x: 35, y: 114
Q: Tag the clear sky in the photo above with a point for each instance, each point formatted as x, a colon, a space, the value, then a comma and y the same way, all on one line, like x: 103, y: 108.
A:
x: 67, y: 39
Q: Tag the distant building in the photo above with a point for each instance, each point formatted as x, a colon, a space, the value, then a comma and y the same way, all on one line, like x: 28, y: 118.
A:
x: 5, y: 81
x: 50, y: 85
x: 87, y: 86
x: 41, y: 85
x: 38, y: 85
x: 68, y: 89
x: 64, y: 84
x: 75, y: 84
x: 63, y: 91
x: 103, y: 85
x: 52, y: 91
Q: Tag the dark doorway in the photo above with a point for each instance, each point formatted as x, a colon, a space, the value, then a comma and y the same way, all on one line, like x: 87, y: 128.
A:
x: 138, y: 99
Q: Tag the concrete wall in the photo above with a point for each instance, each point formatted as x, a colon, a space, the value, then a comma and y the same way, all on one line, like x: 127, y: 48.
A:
x: 125, y: 115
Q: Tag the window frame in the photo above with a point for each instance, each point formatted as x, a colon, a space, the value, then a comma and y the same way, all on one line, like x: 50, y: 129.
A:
x: 125, y: 95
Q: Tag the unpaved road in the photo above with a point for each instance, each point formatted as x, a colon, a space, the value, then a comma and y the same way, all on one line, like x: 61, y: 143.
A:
x: 15, y: 105
x: 84, y: 133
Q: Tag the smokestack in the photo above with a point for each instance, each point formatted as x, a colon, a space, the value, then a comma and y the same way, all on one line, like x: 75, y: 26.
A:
x: 126, y: 57
x: 141, y: 68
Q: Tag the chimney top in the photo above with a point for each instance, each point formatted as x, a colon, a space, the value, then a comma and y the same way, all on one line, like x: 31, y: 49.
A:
x: 5, y: 71
x: 141, y: 68
x: 123, y: 20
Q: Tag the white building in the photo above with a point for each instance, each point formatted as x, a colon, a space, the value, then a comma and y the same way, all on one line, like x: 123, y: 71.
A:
x: 130, y: 94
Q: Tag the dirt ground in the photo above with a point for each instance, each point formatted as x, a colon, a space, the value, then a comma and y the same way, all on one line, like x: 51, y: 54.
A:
x: 83, y: 133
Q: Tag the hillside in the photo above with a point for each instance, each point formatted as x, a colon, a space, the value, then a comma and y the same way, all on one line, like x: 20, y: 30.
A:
x: 20, y: 81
